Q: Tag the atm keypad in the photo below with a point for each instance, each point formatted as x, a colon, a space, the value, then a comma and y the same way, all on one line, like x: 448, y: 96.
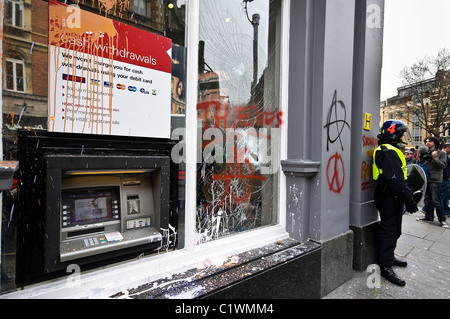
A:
x: 94, y: 241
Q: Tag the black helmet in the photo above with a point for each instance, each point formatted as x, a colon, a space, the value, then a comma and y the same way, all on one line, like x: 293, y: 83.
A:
x: 392, y: 131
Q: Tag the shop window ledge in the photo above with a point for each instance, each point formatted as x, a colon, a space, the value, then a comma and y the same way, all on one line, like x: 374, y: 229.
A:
x: 247, y: 270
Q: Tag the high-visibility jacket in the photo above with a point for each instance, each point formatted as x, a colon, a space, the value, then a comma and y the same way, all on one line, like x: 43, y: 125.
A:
x: 376, y: 171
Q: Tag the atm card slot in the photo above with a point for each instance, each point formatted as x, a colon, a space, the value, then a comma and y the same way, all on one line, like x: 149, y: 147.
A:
x: 85, y: 232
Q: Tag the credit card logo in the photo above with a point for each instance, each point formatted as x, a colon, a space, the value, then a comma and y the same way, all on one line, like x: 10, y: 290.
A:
x: 95, y: 82
x: 132, y: 88
x: 142, y: 90
x: 107, y: 84
x: 68, y: 77
x: 121, y: 86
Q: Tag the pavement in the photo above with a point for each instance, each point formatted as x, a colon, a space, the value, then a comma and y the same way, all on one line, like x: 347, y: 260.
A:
x: 426, y: 248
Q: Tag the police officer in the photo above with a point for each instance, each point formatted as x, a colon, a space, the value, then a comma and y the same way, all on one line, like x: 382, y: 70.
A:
x: 391, y: 194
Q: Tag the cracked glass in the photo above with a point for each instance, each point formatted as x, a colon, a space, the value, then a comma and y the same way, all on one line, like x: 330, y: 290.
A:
x: 239, y: 117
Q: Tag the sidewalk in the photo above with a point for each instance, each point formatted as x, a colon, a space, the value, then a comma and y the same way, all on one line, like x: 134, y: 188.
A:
x: 426, y: 248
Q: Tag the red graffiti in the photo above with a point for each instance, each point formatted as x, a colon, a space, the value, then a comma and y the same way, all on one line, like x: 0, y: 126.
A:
x: 239, y: 180
x: 238, y: 171
x: 241, y: 171
x: 366, y: 176
x: 218, y: 114
x: 366, y: 171
x: 336, y: 173
x: 369, y: 141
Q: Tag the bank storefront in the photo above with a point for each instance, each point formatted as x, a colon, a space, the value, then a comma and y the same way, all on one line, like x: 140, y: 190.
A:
x: 163, y: 149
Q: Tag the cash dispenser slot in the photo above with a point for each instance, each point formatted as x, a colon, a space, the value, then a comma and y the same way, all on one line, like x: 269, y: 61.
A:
x: 85, y: 232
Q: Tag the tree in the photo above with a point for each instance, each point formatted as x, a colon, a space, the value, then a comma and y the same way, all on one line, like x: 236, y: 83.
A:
x: 428, y: 82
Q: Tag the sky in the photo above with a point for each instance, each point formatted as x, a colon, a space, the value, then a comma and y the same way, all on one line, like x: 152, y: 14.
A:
x: 412, y: 29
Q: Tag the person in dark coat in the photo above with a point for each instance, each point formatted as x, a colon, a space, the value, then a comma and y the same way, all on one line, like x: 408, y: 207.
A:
x: 436, y: 165
x: 445, y: 187
x: 392, y: 194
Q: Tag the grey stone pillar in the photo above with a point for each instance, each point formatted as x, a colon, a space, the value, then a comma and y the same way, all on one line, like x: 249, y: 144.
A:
x: 318, y: 168
x: 299, y: 168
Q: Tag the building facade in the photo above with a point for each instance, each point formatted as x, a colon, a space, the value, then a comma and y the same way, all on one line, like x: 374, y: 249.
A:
x: 421, y: 105
x: 165, y: 145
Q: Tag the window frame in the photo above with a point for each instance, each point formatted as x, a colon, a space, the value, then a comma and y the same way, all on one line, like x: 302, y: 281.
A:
x: 416, y: 129
x: 139, y: 2
x: 250, y: 239
x: 15, y: 62
x: 14, y: 3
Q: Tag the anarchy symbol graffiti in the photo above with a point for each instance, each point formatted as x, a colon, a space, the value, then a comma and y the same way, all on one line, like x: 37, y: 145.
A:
x: 336, y: 173
x: 337, y: 119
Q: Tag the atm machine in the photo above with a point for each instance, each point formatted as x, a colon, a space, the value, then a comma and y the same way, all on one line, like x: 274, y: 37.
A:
x: 105, y: 211
x: 90, y: 201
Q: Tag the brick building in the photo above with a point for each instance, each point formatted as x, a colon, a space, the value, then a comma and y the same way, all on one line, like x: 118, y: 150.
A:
x: 421, y: 103
x: 25, y: 67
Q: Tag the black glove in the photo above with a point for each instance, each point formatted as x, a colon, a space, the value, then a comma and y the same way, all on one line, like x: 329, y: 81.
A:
x: 417, y: 196
x: 411, y: 207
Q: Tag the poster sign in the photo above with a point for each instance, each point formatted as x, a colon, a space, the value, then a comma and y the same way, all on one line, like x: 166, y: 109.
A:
x: 106, y: 77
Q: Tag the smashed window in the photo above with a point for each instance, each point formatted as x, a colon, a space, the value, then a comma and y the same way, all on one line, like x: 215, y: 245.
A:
x: 240, y: 117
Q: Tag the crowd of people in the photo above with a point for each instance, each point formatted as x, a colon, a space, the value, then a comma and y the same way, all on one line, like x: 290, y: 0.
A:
x: 435, y: 161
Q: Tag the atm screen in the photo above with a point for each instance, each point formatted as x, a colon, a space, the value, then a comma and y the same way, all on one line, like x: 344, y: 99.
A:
x: 90, y: 207
x: 84, y: 207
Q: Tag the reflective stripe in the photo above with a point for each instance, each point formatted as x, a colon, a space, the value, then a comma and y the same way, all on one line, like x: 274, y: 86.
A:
x: 376, y: 172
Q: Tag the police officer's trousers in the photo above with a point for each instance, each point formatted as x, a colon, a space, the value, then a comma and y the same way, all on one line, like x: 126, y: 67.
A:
x: 390, y: 227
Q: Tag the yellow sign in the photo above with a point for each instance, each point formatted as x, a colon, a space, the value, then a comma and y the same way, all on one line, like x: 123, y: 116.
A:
x: 367, y: 121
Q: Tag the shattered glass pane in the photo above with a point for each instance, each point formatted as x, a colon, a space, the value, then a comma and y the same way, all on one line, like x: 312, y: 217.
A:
x: 239, y: 112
